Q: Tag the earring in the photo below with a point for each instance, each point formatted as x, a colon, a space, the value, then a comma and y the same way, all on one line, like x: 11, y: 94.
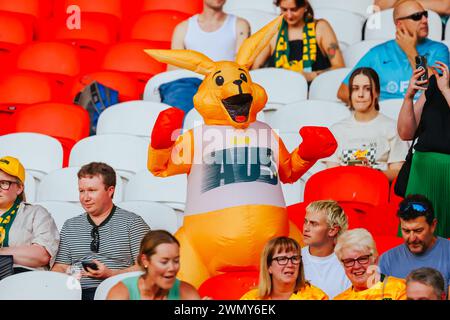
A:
x: 145, y: 266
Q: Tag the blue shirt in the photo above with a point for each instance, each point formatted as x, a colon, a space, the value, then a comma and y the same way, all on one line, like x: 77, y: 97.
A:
x: 393, y: 67
x: 399, y: 261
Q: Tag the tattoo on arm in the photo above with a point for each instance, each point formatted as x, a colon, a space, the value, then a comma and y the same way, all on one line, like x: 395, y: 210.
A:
x: 331, y: 51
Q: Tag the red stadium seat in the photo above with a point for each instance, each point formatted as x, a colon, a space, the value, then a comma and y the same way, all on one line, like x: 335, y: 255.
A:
x: 65, y: 122
x: 384, y: 243
x: 230, y: 285
x: 14, y: 31
x: 190, y: 7
x: 129, y: 57
x: 156, y: 27
x: 126, y: 86
x: 112, y: 8
x: 32, y: 8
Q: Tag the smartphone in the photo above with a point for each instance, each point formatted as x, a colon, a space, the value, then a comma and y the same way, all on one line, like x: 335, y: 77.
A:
x: 421, y: 63
x: 89, y: 264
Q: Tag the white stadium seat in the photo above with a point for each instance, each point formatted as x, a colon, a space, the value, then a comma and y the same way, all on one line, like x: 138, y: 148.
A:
x: 103, y: 289
x: 151, y: 91
x: 261, y: 5
x: 126, y: 154
x: 39, y: 153
x: 326, y: 85
x: 30, y: 186
x: 62, y: 185
x: 362, y: 7
x: 40, y: 285
x: 380, y: 25
x: 156, y: 215
x: 292, y: 117
x: 256, y: 18
x: 61, y: 211
x: 391, y: 107
x: 135, y: 118
x: 356, y: 51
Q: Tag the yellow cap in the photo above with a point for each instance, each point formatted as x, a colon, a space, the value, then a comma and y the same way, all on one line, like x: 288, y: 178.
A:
x: 13, y: 167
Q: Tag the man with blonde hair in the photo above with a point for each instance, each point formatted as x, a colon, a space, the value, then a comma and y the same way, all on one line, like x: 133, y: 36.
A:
x: 324, y: 222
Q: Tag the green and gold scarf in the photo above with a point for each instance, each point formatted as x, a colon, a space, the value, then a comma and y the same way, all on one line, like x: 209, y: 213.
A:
x: 6, y: 221
x: 282, y: 49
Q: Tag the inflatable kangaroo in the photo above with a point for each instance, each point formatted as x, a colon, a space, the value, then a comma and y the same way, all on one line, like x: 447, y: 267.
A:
x: 235, y: 164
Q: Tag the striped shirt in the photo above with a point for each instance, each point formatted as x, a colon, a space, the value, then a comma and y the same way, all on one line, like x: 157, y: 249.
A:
x: 119, y: 238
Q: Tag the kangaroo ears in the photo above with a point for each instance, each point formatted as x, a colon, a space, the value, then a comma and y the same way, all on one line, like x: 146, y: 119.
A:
x: 186, y: 59
x: 252, y: 46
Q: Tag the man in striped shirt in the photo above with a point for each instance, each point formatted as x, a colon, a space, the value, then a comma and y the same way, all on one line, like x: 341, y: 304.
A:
x: 106, y: 237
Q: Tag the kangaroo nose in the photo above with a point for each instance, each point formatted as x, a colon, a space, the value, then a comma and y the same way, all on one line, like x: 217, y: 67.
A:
x: 237, y: 82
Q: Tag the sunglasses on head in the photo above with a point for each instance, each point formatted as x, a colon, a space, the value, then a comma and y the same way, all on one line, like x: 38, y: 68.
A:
x: 416, y: 16
x: 416, y: 206
x: 95, y: 244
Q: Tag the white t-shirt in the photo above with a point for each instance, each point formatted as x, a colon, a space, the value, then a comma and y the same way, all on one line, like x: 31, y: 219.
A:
x: 377, y: 140
x: 326, y: 273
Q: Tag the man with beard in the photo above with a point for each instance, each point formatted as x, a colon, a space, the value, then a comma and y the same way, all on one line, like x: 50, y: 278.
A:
x: 421, y: 248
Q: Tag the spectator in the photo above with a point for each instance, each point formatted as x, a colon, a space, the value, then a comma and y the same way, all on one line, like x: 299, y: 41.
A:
x: 394, y: 60
x: 159, y: 258
x: 358, y: 253
x: 425, y: 284
x: 104, y: 235
x: 303, y: 44
x: 367, y: 138
x: 27, y: 232
x: 281, y: 275
x: 430, y: 168
x: 324, y: 222
x: 421, y: 248
x: 214, y: 33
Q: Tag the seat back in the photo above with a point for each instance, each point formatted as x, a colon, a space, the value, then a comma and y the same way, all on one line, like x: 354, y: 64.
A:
x: 256, y: 18
x: 61, y: 211
x: 190, y: 7
x: 361, y: 7
x: 331, y: 80
x: 391, y: 107
x: 103, y: 289
x: 261, y: 5
x: 229, y: 285
x: 356, y: 51
x: 40, y: 285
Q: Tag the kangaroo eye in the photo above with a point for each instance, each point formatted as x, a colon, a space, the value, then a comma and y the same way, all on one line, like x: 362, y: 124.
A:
x: 220, y: 80
x: 243, y: 77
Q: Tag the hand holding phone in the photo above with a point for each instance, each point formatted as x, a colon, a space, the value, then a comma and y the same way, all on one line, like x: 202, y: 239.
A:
x: 421, y: 64
x: 89, y: 264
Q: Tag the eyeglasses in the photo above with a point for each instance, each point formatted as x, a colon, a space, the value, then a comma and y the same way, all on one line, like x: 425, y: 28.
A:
x: 95, y: 244
x: 416, y: 16
x: 417, y: 206
x: 283, y: 260
x: 351, y: 262
x: 6, y: 184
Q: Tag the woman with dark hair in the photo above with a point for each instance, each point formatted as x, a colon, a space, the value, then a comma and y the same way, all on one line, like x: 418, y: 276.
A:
x: 281, y: 275
x: 367, y: 138
x: 159, y: 258
x: 303, y: 44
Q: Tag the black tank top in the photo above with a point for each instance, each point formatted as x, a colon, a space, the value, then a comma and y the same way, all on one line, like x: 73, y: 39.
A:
x: 434, y: 133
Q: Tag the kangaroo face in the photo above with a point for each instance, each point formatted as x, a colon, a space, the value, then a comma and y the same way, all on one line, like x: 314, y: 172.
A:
x: 228, y: 96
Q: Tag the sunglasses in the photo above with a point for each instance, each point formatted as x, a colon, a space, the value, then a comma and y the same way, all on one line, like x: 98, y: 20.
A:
x: 95, y: 244
x: 416, y: 16
x: 416, y: 206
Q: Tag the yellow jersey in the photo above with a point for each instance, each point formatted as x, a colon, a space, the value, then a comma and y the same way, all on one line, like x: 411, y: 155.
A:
x: 390, y: 289
x: 308, y: 292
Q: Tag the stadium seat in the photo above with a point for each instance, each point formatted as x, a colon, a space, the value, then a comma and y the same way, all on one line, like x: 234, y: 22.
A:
x: 39, y: 154
x: 261, y: 5
x: 111, y: 8
x: 130, y: 58
x: 380, y: 25
x: 62, y: 186
x: 103, y: 289
x: 346, y: 25
x: 282, y: 86
x: 447, y: 31
x: 125, y: 153
x: 385, y: 243
x: 362, y: 7
x: 151, y: 92
x: 15, y: 32
x: 256, y: 18
x: 141, y: 114
x: 391, y: 107
x: 156, y: 215
x: 61, y: 211
x: 447, y: 42
x: 229, y: 285
x: 35, y: 9
x: 144, y: 186
x: 189, y: 8
x: 30, y: 186
x: 356, y: 51
x: 293, y: 116
x: 126, y: 85
x: 156, y: 28
x: 66, y: 122
x: 326, y: 85
x: 40, y: 285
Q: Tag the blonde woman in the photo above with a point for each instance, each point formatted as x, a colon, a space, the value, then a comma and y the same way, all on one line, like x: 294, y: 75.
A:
x: 358, y: 254
x: 281, y: 274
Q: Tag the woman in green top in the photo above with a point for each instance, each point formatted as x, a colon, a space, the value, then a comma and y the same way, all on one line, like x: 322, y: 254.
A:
x: 159, y: 258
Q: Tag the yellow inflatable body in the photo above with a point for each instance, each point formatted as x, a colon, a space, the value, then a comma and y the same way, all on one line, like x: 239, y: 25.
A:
x: 235, y: 166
